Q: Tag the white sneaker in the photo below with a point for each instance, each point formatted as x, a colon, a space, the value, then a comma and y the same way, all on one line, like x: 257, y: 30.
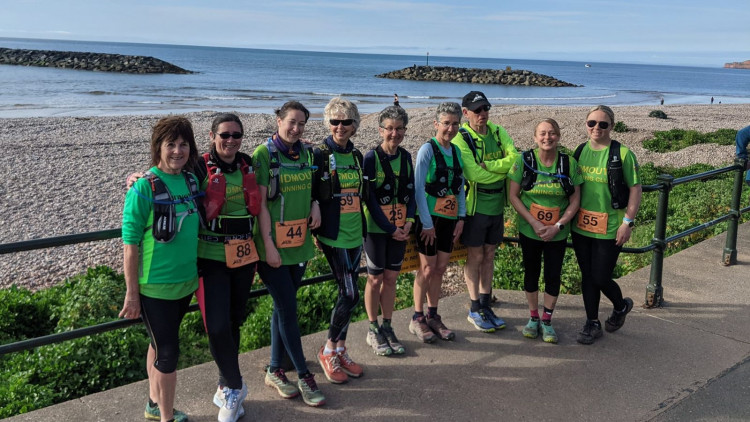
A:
x: 230, y: 408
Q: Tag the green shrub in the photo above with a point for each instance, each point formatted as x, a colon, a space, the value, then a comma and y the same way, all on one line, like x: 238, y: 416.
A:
x: 677, y: 139
x: 620, y: 127
x: 657, y: 114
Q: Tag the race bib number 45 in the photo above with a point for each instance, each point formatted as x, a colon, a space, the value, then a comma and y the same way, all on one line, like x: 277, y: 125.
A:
x: 291, y: 234
x: 592, y: 221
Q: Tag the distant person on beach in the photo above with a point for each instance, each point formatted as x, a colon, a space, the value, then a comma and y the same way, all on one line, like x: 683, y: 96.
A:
x: 487, y: 153
x: 389, y: 178
x: 545, y: 191
x: 339, y: 182
x: 441, y: 205
x: 712, y: 100
x: 160, y: 235
x: 284, y: 167
x: 395, y: 100
x: 662, y: 101
x: 610, y: 198
x: 741, y: 141
x: 227, y: 257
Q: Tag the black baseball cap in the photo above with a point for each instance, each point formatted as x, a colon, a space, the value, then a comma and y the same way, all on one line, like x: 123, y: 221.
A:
x: 474, y: 99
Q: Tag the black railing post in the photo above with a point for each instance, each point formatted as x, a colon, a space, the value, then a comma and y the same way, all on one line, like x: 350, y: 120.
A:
x: 654, y: 291
x: 729, y: 257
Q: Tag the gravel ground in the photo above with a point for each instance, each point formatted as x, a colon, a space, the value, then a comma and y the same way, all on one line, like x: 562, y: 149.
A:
x: 66, y: 175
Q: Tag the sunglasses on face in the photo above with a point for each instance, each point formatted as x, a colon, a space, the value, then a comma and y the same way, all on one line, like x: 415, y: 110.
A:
x: 346, y: 122
x: 481, y: 109
x: 602, y: 125
x: 226, y: 135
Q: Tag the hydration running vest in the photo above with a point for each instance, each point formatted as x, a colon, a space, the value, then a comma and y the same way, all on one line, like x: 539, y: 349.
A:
x: 530, y: 172
x: 216, y: 191
x: 440, y: 187
x: 618, y: 189
x: 274, y: 184
x: 164, y: 227
x: 329, y: 186
x: 386, y: 192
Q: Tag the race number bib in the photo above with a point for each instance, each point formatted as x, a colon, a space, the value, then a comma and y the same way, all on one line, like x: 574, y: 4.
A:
x: 239, y: 252
x: 349, y: 201
x: 291, y: 234
x: 593, y: 222
x: 547, y: 215
x: 396, y: 214
x: 447, y: 206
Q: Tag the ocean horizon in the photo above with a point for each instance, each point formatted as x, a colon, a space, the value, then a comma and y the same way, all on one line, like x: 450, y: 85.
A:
x: 258, y: 81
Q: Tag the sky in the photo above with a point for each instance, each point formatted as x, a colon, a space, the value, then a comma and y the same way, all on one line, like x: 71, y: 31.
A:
x: 679, y: 32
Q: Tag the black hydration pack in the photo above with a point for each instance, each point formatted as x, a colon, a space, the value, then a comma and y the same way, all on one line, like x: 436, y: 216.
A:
x: 275, y: 164
x: 530, y: 172
x: 440, y: 187
x: 164, y: 227
x: 618, y: 189
x: 387, y: 191
x: 329, y: 185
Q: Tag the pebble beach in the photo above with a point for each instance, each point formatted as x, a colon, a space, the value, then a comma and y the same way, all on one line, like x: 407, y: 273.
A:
x: 66, y: 175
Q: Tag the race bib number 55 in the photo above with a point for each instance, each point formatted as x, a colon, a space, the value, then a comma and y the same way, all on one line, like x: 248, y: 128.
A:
x: 592, y: 221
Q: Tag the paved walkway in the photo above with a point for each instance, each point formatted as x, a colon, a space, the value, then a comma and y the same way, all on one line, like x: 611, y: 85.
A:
x: 686, y: 361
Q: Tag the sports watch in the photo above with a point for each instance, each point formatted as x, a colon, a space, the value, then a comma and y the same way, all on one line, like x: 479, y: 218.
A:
x: 560, y: 226
x: 628, y: 221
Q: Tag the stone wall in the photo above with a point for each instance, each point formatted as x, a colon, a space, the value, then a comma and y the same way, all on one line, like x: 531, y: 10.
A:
x: 88, y: 61
x: 475, y: 76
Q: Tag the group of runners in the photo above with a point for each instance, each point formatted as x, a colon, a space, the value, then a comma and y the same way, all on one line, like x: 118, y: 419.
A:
x: 205, y: 224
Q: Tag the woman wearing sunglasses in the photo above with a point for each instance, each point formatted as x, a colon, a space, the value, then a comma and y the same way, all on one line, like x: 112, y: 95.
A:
x: 339, y: 185
x: 605, y: 219
x: 284, y: 168
x: 545, y: 191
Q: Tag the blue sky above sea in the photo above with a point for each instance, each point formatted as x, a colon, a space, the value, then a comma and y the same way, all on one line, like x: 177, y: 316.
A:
x: 669, y: 32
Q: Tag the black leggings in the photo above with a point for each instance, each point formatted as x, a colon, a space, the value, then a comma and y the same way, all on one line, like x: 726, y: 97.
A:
x: 225, y: 292
x: 554, y: 253
x: 344, y: 265
x: 597, y: 259
x: 162, y: 318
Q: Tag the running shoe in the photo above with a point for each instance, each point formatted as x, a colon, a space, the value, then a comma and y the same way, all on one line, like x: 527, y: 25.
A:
x: 617, y: 319
x: 154, y: 414
x: 396, y: 345
x: 278, y: 380
x: 311, y: 394
x: 332, y: 367
x: 498, y: 322
x: 548, y: 333
x: 591, y: 331
x: 480, y: 321
x: 419, y: 328
x: 349, y: 366
x: 531, y: 330
x: 377, y: 341
x: 436, y: 325
x: 232, y: 409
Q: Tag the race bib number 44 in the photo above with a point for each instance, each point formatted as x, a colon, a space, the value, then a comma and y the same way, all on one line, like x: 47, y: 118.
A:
x: 239, y: 252
x: 396, y: 214
x: 447, y: 206
x: 291, y: 234
x: 547, y: 215
x: 592, y: 221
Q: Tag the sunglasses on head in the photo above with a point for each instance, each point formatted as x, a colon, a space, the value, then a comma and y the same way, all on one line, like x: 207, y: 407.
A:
x: 481, y: 109
x: 345, y: 122
x: 602, y: 125
x: 226, y: 135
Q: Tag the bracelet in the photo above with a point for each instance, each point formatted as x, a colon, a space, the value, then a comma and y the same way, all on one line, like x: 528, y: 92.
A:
x: 628, y: 220
x: 410, y: 220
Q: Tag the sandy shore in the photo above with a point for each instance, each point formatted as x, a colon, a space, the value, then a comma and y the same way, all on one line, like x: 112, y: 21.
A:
x: 66, y: 175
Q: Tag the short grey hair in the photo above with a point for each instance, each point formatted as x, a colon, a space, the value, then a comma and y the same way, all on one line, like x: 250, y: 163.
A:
x: 339, y: 105
x: 393, y: 113
x: 608, y: 111
x: 448, y: 108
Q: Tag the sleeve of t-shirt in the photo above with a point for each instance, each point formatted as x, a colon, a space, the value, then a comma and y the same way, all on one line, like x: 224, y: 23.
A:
x: 741, y: 141
x: 422, y: 166
x: 261, y: 164
x: 411, y: 207
x: 136, y: 211
x: 631, y: 170
x: 369, y: 173
x: 576, y: 178
x: 516, y: 170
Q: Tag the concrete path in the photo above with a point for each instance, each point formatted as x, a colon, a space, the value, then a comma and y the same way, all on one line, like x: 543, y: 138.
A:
x: 685, y: 361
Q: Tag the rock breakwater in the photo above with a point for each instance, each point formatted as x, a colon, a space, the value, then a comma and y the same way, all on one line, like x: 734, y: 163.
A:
x: 98, y: 62
x: 476, y: 76
x: 738, y: 65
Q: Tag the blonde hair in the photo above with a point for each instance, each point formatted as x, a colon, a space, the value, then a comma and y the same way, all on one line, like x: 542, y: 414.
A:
x: 552, y: 122
x: 608, y: 111
x: 339, y: 105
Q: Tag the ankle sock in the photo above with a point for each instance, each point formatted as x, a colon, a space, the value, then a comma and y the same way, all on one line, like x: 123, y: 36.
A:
x: 152, y: 403
x: 386, y: 322
x: 417, y: 315
x: 547, y: 315
x: 340, y: 349
x: 327, y: 351
x: 484, y: 300
x: 374, y: 326
x: 475, y: 306
x: 534, y: 314
x: 431, y: 311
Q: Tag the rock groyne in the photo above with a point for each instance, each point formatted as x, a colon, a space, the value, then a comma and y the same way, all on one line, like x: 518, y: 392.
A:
x: 98, y: 62
x: 738, y: 65
x: 476, y: 76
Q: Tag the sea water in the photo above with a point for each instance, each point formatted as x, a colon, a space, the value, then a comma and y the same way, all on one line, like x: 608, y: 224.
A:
x: 254, y: 80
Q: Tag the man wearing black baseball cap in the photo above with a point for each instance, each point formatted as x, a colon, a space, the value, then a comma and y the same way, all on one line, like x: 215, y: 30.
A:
x: 487, y: 153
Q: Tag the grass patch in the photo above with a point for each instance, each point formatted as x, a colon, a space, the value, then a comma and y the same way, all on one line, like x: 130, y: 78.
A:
x: 677, y: 139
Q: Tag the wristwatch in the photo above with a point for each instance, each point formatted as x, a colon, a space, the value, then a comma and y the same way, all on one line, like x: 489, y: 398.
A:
x: 560, y: 226
x: 628, y: 221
